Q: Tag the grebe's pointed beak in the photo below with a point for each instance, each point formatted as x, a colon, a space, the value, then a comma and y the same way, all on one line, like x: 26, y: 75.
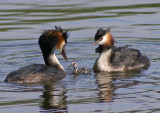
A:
x: 96, y: 42
x: 64, y: 53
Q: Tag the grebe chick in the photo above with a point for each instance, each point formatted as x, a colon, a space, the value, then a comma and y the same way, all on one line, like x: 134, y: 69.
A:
x: 77, y: 70
x: 49, y: 41
x: 113, y: 58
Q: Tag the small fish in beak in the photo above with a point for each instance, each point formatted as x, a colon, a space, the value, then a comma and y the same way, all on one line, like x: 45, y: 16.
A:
x: 64, y: 53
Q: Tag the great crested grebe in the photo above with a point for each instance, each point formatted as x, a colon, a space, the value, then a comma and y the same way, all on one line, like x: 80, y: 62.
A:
x: 112, y: 58
x: 49, y: 41
x: 77, y: 70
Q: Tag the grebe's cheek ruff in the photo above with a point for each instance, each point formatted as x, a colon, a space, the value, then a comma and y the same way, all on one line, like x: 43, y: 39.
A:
x: 113, y: 58
x: 62, y: 41
x: 52, y: 70
x: 106, y: 41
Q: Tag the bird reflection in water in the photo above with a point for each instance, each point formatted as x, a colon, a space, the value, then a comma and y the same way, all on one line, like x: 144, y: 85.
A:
x: 54, y: 100
x: 105, y: 87
x: 107, y: 83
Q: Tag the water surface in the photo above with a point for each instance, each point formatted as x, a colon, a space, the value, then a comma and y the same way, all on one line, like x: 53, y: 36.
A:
x: 132, y: 22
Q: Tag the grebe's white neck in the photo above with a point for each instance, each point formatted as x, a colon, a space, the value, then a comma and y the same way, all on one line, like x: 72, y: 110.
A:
x: 54, y: 61
x: 103, y: 61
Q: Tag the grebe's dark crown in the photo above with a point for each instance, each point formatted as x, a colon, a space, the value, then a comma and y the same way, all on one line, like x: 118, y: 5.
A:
x: 100, y: 33
x: 64, y: 33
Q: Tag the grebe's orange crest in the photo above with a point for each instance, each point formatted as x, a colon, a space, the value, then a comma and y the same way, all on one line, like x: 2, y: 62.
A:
x: 110, y: 41
x: 62, y: 38
x: 62, y: 41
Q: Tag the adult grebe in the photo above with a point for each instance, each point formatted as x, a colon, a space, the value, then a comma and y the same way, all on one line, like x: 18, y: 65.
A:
x: 114, y: 58
x: 53, y: 70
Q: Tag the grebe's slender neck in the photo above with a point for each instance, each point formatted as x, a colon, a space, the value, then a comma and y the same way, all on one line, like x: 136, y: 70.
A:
x: 51, y: 60
x: 54, y: 61
x: 103, y: 62
x: 104, y: 59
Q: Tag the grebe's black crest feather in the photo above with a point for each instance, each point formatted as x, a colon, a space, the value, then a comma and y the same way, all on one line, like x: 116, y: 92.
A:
x: 100, y: 33
x: 46, y: 42
x: 65, y: 33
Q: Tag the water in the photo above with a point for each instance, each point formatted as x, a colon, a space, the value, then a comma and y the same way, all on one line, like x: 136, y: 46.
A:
x: 132, y: 22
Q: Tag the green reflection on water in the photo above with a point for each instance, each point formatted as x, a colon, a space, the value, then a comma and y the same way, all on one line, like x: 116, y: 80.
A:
x: 20, y: 102
x: 84, y: 10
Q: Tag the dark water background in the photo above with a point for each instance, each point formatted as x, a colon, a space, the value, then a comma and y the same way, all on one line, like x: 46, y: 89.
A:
x: 132, y: 22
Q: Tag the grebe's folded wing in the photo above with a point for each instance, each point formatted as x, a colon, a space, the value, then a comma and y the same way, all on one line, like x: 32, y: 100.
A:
x: 35, y: 73
x: 125, y: 55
